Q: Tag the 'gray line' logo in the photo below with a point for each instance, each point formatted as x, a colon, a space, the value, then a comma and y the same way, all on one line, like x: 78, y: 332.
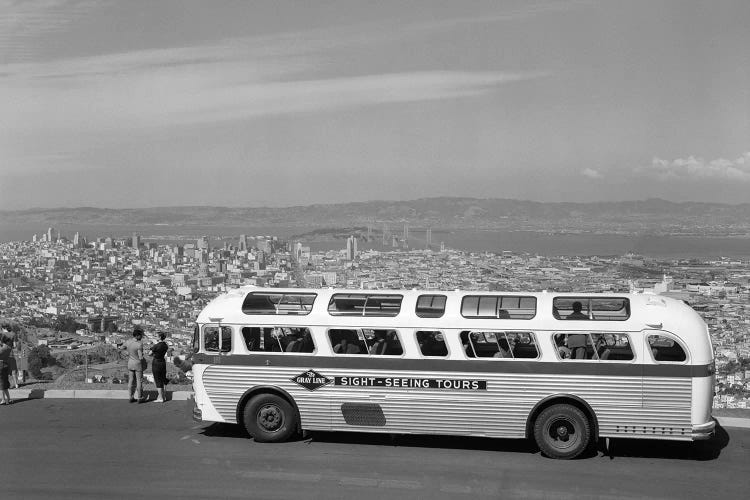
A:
x: 311, y: 380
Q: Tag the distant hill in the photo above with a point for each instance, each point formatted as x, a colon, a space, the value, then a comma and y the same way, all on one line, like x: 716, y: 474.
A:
x: 652, y: 215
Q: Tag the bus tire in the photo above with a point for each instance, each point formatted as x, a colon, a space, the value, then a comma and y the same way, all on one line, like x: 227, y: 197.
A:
x: 562, y: 431
x: 269, y: 418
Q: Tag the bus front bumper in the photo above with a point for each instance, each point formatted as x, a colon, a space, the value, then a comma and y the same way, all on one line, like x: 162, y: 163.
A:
x: 197, y: 413
x: 704, y: 431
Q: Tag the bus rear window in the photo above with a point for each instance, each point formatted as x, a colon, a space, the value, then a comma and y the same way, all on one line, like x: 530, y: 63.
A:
x: 498, y: 306
x: 591, y: 308
x: 666, y: 349
x: 360, y: 304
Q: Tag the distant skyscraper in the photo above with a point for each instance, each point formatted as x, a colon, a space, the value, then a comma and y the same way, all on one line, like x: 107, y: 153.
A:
x: 406, y: 234
x: 351, y: 248
x: 34, y: 239
x: 428, y: 237
x: 369, y: 231
x: 202, y: 243
x: 50, y: 234
x: 442, y: 246
x: 386, y: 234
x: 243, y: 243
x: 77, y: 240
x: 136, y: 240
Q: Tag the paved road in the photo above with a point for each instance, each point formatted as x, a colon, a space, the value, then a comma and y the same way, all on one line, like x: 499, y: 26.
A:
x: 55, y: 448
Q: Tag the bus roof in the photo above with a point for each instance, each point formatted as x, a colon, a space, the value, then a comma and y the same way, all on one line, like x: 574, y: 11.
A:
x: 646, y: 311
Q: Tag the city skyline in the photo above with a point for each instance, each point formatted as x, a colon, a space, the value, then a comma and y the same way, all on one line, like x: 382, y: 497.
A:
x: 143, y: 104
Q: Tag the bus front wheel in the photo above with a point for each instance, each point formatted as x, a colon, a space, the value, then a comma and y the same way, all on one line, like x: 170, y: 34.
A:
x: 269, y: 418
x: 562, y: 431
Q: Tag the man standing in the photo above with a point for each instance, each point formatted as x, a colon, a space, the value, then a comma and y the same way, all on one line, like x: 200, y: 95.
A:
x: 136, y: 363
x: 5, y: 369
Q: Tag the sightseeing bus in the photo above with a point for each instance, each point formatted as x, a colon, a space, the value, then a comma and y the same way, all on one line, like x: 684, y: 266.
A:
x: 563, y: 369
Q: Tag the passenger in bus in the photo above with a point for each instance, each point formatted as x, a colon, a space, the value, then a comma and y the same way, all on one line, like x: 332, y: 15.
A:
x: 602, y: 350
x: 563, y: 350
x: 503, y: 314
x: 294, y: 346
x: 379, y: 346
x: 577, y: 314
x: 430, y: 346
x: 307, y: 342
x: 344, y: 347
x: 577, y: 345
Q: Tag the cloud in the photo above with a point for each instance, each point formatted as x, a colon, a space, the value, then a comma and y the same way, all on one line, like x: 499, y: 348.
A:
x: 21, y: 22
x: 85, y: 100
x: 591, y: 173
x: 525, y: 11
x: 54, y: 109
x: 692, y: 168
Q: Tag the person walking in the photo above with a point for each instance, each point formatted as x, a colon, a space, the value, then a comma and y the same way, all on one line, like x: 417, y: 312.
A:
x: 159, y: 366
x: 136, y: 364
x: 5, y: 349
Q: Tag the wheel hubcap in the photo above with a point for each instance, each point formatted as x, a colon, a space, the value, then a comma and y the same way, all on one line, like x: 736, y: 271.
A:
x: 270, y: 417
x: 561, y: 433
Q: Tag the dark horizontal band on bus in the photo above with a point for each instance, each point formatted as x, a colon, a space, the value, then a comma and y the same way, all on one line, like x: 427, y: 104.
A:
x: 467, y: 366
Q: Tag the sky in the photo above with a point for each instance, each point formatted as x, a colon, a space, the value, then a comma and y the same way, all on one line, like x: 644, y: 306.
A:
x: 128, y: 104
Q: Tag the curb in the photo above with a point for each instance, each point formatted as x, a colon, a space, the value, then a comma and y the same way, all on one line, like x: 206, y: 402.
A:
x: 91, y: 394
x: 743, y: 423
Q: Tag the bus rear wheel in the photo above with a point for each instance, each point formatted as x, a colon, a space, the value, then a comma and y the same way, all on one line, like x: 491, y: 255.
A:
x: 562, y: 431
x: 269, y: 418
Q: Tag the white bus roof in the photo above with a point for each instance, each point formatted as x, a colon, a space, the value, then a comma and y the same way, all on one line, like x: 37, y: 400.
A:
x: 647, y: 311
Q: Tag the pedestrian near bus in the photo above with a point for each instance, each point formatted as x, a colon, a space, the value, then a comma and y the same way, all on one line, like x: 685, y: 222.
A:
x: 12, y: 363
x: 136, y: 364
x: 5, y: 349
x: 159, y: 366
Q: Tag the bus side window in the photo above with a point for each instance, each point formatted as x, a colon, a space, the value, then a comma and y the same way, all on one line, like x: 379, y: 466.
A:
x: 346, y: 341
x: 300, y: 340
x: 666, y: 350
x: 524, y: 345
x: 613, y: 347
x: 211, y: 339
x: 432, y: 343
x: 251, y: 334
x: 392, y: 344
